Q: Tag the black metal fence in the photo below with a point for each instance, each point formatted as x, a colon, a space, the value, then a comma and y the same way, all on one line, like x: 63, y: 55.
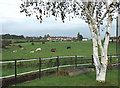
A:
x: 42, y: 64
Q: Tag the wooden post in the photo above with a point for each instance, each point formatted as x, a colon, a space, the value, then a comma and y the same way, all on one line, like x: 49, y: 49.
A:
x: 75, y: 61
x: 57, y: 60
x: 39, y: 68
x: 92, y: 60
x: 15, y: 72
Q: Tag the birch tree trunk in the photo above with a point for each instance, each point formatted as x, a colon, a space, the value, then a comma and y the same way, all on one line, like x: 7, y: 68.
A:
x: 95, y: 52
x: 104, y: 58
x: 101, y: 67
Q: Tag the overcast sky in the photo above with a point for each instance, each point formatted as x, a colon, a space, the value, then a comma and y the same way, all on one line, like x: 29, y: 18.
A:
x: 14, y: 22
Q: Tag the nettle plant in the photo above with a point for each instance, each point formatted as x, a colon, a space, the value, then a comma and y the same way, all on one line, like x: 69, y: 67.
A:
x: 93, y: 12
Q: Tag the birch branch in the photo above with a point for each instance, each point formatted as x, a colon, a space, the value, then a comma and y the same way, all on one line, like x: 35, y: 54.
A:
x: 99, y: 40
x: 93, y: 9
x: 86, y: 10
x: 110, y: 10
x: 103, y: 16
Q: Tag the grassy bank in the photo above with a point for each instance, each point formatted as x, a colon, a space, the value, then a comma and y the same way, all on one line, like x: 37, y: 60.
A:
x: 86, y: 79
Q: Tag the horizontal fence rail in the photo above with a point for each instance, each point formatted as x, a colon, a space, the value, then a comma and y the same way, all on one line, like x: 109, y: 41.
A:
x: 23, y: 60
x: 12, y: 61
x: 43, y: 70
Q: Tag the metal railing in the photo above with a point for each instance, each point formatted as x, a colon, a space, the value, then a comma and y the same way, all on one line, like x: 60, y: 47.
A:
x: 56, y: 62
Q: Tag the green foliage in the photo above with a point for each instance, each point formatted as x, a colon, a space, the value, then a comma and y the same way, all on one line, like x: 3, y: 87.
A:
x: 62, y: 8
x: 79, y: 37
x: 8, y: 36
x: 73, y: 39
x: 46, y: 36
x: 33, y: 43
x: 5, y: 43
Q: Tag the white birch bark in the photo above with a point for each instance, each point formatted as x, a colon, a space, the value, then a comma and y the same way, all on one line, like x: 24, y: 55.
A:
x: 95, y: 52
x: 100, y: 67
x: 102, y: 71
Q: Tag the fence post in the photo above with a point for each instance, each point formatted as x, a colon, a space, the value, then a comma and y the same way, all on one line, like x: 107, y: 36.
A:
x: 57, y: 60
x: 39, y: 68
x: 110, y: 59
x: 71, y: 62
x: 110, y: 62
x: 75, y: 61
x: 15, y: 72
x: 92, y: 60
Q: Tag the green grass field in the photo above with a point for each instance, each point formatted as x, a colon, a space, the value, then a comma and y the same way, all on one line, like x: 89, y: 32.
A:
x: 77, y: 48
x: 85, y: 79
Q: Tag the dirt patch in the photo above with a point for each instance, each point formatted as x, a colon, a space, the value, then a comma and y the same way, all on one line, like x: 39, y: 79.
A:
x: 74, y: 71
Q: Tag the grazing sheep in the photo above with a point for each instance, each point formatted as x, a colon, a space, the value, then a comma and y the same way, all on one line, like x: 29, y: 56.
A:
x: 38, y: 49
x: 14, y: 51
x: 31, y: 51
x: 23, y: 48
x: 68, y: 47
x: 53, y: 49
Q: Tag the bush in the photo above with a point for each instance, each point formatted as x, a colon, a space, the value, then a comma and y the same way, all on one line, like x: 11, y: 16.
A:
x: 43, y: 42
x: 20, y: 41
x: 33, y: 43
x: 5, y: 43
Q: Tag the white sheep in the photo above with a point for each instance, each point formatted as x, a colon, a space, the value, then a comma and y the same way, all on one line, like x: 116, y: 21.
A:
x: 23, y: 48
x: 31, y: 51
x: 38, y: 49
x: 14, y: 51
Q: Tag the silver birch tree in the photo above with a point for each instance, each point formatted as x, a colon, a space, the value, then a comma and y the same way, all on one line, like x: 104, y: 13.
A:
x: 94, y: 12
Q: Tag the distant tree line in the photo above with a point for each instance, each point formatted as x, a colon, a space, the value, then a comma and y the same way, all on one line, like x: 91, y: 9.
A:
x: 31, y: 39
x: 8, y: 36
x: 79, y: 37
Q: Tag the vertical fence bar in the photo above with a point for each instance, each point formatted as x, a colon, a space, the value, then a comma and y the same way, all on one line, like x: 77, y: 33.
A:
x: 15, y: 72
x: 39, y: 68
x: 57, y: 60
x: 110, y: 62
x: 71, y: 61
x: 75, y: 61
x: 92, y: 60
x: 110, y: 59
x: 81, y: 60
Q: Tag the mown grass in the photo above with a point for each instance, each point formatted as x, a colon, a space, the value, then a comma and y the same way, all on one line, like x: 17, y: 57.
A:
x: 85, y: 79
x: 77, y: 48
